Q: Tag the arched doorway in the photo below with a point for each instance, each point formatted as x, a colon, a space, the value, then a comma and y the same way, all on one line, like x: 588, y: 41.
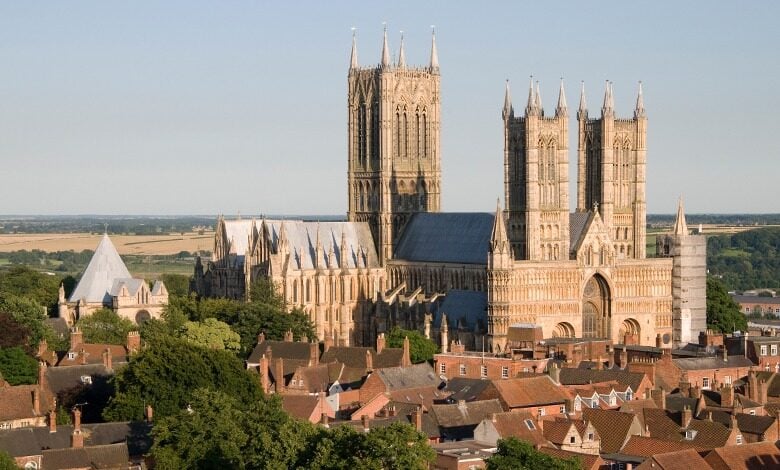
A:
x: 563, y: 330
x: 596, y: 308
x: 629, y: 331
x: 142, y: 316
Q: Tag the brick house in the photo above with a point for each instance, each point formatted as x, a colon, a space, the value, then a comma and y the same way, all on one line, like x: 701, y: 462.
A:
x: 703, y: 372
x: 476, y: 365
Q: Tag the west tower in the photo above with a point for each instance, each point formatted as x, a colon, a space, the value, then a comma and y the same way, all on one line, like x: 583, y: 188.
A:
x: 611, y: 162
x: 394, y: 164
x: 536, y: 181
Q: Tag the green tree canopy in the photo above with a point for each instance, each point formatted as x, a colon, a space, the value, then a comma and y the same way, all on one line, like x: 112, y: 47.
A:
x: 168, y: 371
x: 177, y: 284
x: 219, y: 431
x: 723, y: 313
x: 514, y: 454
x: 12, y: 333
x: 30, y: 315
x: 211, y: 333
x: 421, y: 349
x: 7, y: 462
x: 104, y: 326
x: 17, y: 368
x: 21, y: 281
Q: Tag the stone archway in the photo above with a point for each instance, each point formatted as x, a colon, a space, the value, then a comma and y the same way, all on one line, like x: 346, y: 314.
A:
x: 630, y: 331
x: 596, y: 313
x: 563, y: 330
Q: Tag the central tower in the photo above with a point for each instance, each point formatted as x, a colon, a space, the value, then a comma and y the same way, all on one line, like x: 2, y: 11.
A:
x: 394, y: 166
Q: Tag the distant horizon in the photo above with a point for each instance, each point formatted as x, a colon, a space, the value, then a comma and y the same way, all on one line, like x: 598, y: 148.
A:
x: 332, y: 216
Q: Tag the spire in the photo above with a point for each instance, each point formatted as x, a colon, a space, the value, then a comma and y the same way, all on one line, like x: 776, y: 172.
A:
x: 561, y: 110
x: 498, y: 238
x: 353, y: 60
x: 385, y: 51
x: 680, y: 227
x: 401, y: 54
x: 434, y: 54
x: 538, y: 97
x: 531, y: 107
x: 608, y: 106
x: 508, y: 111
x: 343, y: 250
x: 583, y: 111
x: 639, y: 111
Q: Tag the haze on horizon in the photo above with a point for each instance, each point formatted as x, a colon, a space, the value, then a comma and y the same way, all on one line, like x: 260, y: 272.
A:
x: 190, y: 107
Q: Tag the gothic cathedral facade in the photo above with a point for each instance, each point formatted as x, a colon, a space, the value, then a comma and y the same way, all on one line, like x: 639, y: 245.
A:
x: 581, y: 274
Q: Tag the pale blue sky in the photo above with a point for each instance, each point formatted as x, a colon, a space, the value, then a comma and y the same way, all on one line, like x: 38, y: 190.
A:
x: 175, y: 107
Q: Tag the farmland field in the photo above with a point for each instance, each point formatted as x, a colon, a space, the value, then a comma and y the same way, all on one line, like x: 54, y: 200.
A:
x: 169, y: 244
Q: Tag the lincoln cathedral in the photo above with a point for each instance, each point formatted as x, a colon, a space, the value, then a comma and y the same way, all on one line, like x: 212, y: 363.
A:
x: 468, y: 277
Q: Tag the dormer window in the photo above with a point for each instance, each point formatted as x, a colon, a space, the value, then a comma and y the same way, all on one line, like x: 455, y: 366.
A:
x: 529, y: 423
x: 572, y: 440
x: 690, y: 434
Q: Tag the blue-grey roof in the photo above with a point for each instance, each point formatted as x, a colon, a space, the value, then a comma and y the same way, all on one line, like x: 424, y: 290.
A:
x: 446, y: 237
x: 577, y: 222
x: 97, y: 280
x: 462, y: 306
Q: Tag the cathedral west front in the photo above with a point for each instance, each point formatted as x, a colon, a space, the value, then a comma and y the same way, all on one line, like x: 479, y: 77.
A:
x: 398, y: 260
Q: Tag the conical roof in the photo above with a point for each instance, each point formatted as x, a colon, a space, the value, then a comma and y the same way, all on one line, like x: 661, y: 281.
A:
x: 104, y: 267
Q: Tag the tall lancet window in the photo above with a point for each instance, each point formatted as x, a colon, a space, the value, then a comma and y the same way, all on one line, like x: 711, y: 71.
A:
x: 424, y: 135
x: 405, y: 136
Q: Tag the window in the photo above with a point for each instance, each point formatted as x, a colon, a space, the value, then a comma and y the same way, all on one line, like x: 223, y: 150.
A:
x: 727, y: 379
x: 540, y: 411
x: 739, y: 439
x: 86, y: 379
x: 529, y: 423
x: 5, y: 425
x: 773, y: 349
x: 71, y: 355
x: 442, y: 368
x: 590, y: 436
x: 753, y: 412
x: 747, y: 309
x: 30, y: 465
x: 504, y: 372
x: 612, y: 400
x: 705, y: 382
x: 763, y: 349
x: 577, y: 404
x: 483, y: 371
x: 572, y: 440
x: 629, y: 395
x: 463, y: 369
x: 562, y: 409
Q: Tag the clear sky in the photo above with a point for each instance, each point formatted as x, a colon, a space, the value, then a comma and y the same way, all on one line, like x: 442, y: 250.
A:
x: 190, y: 107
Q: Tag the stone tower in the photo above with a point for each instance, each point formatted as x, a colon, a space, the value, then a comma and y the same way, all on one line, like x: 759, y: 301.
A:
x: 499, y: 268
x: 611, y: 157
x: 689, y: 279
x: 394, y: 167
x: 536, y: 178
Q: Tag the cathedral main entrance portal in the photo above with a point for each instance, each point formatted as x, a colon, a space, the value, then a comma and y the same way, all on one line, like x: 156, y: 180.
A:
x: 596, y: 313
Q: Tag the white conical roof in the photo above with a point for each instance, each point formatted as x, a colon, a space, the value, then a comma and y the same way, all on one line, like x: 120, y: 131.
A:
x: 104, y: 267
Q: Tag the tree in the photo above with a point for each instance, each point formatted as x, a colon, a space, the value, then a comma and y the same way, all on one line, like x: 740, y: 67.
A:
x: 177, y: 284
x: 211, y: 333
x: 12, y: 333
x: 167, y: 372
x: 723, y: 313
x: 421, y: 349
x: 104, y: 326
x: 514, y: 454
x: 17, y: 367
x: 25, y: 282
x: 7, y: 462
x: 30, y: 315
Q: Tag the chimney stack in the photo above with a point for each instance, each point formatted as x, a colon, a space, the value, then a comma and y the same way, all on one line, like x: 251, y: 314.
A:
x: 727, y: 396
x: 82, y: 356
x: 77, y: 438
x: 380, y: 343
x: 260, y: 337
x: 36, y: 397
x: 133, y: 342
x: 324, y: 420
x: 687, y: 416
x: 288, y: 336
x: 76, y: 338
x: 264, y: 382
x: 52, y: 420
x: 366, y: 420
x: 43, y: 347
x: 406, y: 359
x: 417, y: 418
x: 279, y: 376
x: 42, y: 374
x: 107, y: 360
x: 314, y: 354
x: 369, y: 361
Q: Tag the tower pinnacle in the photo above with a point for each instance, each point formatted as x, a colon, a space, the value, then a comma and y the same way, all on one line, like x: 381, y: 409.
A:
x: 562, y: 109
x: 434, y: 53
x: 385, y: 51
x: 680, y: 226
x: 353, y: 58
x: 508, y: 111
x: 583, y: 111
x: 608, y: 106
x: 499, y: 242
x: 639, y: 111
x: 401, y: 54
x: 538, y: 97
x: 530, y: 108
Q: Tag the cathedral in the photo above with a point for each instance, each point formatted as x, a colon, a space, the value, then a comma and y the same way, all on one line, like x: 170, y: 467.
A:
x: 398, y: 260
